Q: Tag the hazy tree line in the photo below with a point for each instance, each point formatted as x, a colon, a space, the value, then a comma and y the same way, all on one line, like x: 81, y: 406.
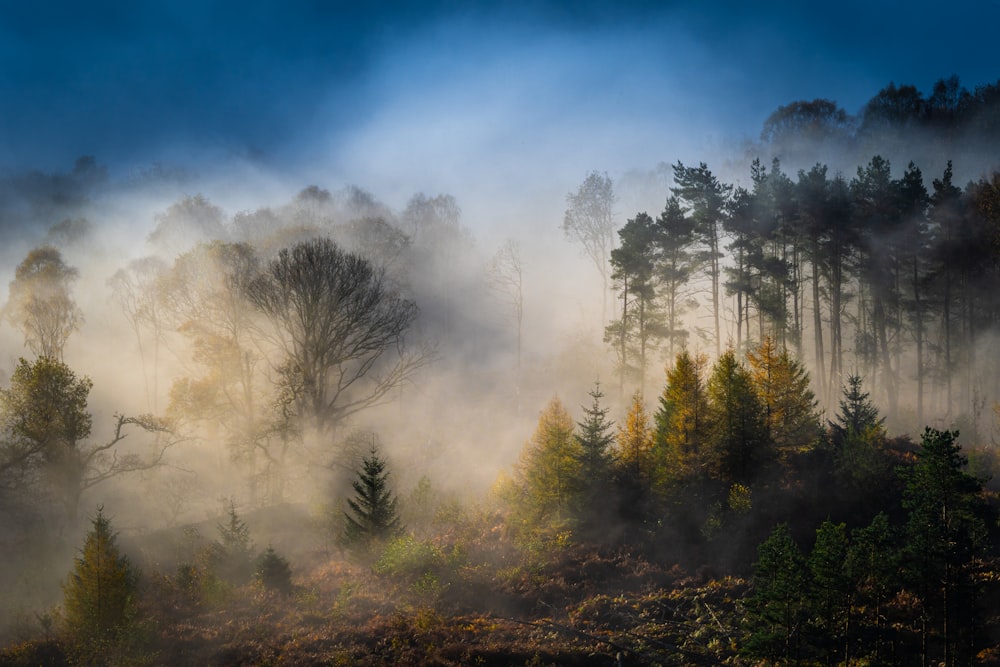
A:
x: 877, y: 273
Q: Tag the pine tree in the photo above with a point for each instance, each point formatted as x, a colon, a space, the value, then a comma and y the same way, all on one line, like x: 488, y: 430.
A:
x: 873, y: 565
x: 374, y: 514
x: 858, y: 437
x: 595, y: 438
x: 858, y: 414
x: 273, y: 572
x: 99, y: 595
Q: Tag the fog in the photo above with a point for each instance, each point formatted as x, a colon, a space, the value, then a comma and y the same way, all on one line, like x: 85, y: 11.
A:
x: 315, y: 124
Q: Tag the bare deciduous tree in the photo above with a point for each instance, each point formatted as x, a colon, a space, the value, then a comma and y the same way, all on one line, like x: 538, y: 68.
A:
x: 342, y: 331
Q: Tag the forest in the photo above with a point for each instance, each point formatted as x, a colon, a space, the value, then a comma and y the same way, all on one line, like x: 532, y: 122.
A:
x: 762, y: 431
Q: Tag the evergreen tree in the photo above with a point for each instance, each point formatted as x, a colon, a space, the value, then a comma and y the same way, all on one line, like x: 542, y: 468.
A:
x: 374, y: 514
x: 634, y: 462
x: 273, y: 572
x: 233, y: 556
x: 945, y: 534
x: 676, y: 263
x: 594, y: 438
x: 858, y: 437
x: 706, y: 197
x: 873, y: 566
x: 737, y: 437
x: 99, y: 595
x: 830, y: 592
x: 633, y: 264
x: 775, y: 611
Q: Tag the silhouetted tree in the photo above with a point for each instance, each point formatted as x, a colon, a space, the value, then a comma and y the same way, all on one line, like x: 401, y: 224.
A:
x: 341, y: 330
x: 737, y: 440
x: 706, y: 199
x: 594, y: 437
x: 374, y: 509
x: 633, y: 264
x: 675, y: 265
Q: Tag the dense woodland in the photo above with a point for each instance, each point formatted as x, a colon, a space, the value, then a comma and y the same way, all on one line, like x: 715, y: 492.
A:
x: 776, y: 446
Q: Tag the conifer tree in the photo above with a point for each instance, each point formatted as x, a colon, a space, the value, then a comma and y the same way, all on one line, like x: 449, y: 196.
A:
x: 682, y: 424
x: 273, y: 572
x: 873, y: 565
x: 374, y: 512
x: 738, y: 436
x: 635, y: 441
x: 99, y: 595
x: 789, y: 404
x: 944, y: 533
x: 830, y: 591
x: 857, y: 414
x: 594, y: 438
x: 775, y: 612
x: 549, y: 470
x: 634, y: 461
x: 234, y: 555
x: 858, y: 436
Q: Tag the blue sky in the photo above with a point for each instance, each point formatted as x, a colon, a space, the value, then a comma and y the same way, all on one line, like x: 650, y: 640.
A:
x: 439, y: 95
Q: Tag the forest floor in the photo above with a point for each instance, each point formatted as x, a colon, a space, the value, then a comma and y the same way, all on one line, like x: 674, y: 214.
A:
x: 469, y: 598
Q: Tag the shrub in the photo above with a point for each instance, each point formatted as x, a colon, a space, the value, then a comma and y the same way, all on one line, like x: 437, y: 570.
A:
x: 273, y: 572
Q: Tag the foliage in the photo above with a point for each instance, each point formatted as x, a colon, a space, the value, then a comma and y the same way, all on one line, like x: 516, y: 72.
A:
x: 775, y: 612
x: 589, y: 220
x: 944, y: 536
x: 45, y: 423
x: 594, y: 437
